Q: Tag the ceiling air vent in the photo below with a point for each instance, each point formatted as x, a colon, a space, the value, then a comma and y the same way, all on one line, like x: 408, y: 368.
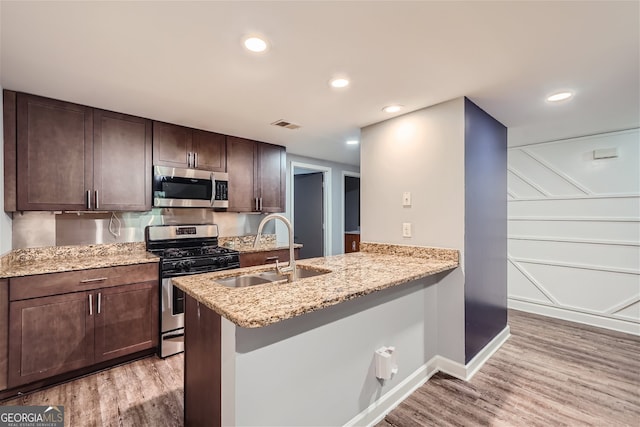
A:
x: 285, y: 124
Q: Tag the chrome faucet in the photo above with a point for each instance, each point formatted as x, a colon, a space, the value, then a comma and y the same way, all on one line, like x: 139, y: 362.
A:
x: 290, y: 270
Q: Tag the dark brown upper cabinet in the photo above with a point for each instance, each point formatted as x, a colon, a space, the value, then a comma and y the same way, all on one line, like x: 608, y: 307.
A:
x: 121, y: 162
x: 182, y: 147
x: 54, y: 154
x: 256, y: 176
x: 73, y: 157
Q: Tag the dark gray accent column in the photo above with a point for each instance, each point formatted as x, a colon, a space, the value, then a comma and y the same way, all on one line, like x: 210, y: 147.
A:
x: 485, y: 254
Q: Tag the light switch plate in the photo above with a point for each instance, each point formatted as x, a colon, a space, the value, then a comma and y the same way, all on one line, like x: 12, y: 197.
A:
x: 406, y: 229
x: 406, y: 198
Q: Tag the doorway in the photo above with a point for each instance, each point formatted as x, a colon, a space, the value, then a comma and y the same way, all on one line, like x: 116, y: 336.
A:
x: 310, y: 209
x: 351, y: 211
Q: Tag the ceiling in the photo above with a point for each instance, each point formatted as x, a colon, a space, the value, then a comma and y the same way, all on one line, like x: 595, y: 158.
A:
x: 182, y: 62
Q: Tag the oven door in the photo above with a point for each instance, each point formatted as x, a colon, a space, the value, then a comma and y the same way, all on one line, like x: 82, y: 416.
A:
x: 171, y: 320
x: 176, y: 187
x: 172, y: 307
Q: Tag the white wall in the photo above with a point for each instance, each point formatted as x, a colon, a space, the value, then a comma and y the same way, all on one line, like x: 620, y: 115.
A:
x: 574, y: 230
x: 331, y: 353
x: 421, y: 152
x: 5, y: 219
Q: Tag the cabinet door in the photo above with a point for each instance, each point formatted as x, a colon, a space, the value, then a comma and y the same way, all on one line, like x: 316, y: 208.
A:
x: 271, y: 177
x: 351, y: 243
x: 122, y: 162
x: 171, y: 145
x: 54, y: 154
x: 4, y: 332
x: 126, y: 320
x: 49, y: 336
x: 210, y: 151
x: 241, y: 164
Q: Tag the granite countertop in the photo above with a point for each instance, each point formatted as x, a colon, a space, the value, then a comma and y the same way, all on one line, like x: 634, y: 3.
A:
x: 376, y: 267
x: 56, y: 259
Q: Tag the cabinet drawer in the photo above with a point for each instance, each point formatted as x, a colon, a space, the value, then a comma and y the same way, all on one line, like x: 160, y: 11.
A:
x: 75, y: 281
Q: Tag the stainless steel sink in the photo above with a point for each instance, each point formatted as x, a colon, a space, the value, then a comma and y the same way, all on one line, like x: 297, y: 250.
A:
x: 301, y: 273
x: 243, y: 281
x: 265, y: 277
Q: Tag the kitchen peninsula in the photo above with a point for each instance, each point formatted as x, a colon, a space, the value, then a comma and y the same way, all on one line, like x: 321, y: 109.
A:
x: 301, y: 353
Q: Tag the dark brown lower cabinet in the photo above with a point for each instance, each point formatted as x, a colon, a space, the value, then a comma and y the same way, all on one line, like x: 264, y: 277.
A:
x: 202, y: 365
x: 351, y: 243
x: 76, y: 328
x: 127, y: 320
x: 4, y: 332
x: 49, y: 336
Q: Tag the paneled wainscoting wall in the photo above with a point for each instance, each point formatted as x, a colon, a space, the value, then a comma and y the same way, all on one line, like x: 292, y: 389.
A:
x: 574, y: 229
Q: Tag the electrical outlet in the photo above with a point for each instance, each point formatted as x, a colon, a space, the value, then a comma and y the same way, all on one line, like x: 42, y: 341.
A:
x: 406, y: 229
x: 406, y: 198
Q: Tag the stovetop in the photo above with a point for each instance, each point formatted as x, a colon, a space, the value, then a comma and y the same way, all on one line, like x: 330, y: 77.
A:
x: 190, y: 252
x: 189, y: 249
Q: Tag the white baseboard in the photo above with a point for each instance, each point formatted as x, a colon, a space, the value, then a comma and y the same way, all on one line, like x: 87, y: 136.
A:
x: 375, y: 412
x: 576, y: 316
x: 466, y: 372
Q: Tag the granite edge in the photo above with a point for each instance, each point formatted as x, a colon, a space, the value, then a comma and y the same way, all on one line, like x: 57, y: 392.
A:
x: 324, y: 304
x: 448, y: 257
x: 433, y: 253
x: 32, y: 261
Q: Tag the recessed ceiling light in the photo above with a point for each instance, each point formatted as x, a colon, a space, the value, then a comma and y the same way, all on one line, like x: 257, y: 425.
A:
x: 339, y: 82
x: 560, y: 96
x: 255, y: 44
x: 392, y: 108
x: 353, y: 142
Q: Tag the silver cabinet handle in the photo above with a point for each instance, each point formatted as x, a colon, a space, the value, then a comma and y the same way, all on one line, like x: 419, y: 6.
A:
x: 99, y: 301
x: 260, y: 203
x: 256, y: 203
x: 353, y: 245
x: 270, y: 259
x: 97, y: 279
x: 97, y: 204
x: 195, y: 159
x: 189, y: 159
x: 90, y: 305
x: 88, y: 199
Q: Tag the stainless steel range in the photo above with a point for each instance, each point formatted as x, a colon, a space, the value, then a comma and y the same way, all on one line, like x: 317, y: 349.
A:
x: 184, y: 250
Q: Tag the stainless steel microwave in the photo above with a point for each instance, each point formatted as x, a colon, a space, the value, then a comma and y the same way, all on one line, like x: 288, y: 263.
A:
x: 190, y: 188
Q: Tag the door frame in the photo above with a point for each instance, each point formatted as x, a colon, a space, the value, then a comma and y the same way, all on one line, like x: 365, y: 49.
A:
x: 342, y: 194
x: 326, y: 199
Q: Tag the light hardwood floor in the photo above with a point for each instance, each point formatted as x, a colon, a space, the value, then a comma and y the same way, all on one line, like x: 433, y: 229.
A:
x: 147, y: 392
x: 549, y: 373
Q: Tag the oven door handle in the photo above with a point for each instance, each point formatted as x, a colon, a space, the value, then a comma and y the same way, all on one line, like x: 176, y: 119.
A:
x: 178, y: 337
